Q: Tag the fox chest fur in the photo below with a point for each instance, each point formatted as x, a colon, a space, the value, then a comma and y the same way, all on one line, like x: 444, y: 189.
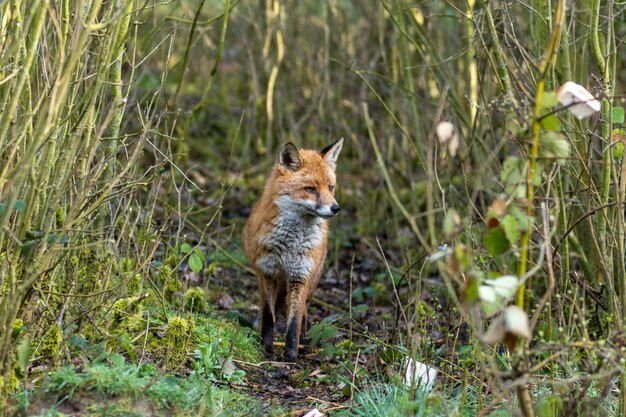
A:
x: 293, y: 244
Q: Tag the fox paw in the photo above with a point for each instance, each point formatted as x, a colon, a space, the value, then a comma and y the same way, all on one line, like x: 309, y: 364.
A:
x: 291, y: 356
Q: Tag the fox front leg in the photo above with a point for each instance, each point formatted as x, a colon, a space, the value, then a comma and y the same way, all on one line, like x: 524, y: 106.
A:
x: 304, y: 329
x: 268, y: 312
x: 296, y: 293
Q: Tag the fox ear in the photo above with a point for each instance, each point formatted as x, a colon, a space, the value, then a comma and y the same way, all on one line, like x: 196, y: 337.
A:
x: 331, y: 153
x: 290, y: 157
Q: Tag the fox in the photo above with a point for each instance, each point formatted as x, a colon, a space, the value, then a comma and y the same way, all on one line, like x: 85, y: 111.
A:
x: 285, y: 238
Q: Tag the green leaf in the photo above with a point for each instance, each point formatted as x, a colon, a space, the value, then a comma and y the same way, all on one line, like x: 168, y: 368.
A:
x: 322, y: 331
x: 328, y: 332
x: 360, y: 309
x: 23, y: 355
x: 186, y: 248
x: 28, y: 248
x: 618, y: 150
x: 549, y: 406
x: 17, y: 331
x: 511, y: 228
x: 357, y: 295
x: 58, y: 238
x: 554, y: 145
x: 496, y: 242
x: 525, y: 221
x: 549, y: 99
x: 199, y: 253
x: 195, y: 263
x: 513, y: 176
x: 551, y: 123
x: 79, y: 342
x: 19, y: 205
x: 470, y: 292
x: 499, y: 413
x: 618, y: 115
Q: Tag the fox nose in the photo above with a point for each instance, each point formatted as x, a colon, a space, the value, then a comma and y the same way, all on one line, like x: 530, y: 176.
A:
x: 335, y: 208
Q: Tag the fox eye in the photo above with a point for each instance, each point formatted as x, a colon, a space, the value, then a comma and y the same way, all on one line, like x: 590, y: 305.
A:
x: 331, y: 188
x: 310, y: 190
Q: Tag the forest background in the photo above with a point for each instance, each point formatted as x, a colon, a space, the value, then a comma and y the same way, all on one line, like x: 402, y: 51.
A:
x: 482, y: 229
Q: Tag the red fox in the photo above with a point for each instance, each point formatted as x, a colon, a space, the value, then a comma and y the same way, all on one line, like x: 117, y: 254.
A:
x: 285, y: 237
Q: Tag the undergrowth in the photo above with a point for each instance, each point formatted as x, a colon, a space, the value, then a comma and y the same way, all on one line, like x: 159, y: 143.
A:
x: 114, y: 387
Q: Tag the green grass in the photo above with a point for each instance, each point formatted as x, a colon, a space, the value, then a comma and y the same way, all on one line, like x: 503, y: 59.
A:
x: 119, y: 388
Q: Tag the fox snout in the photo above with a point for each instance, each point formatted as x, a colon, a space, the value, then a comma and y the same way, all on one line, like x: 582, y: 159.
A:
x: 327, y: 211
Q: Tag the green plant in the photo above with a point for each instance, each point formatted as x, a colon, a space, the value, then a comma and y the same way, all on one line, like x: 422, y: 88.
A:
x: 211, y: 366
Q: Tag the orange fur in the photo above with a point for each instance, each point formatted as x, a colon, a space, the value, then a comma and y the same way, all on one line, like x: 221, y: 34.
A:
x: 285, y: 237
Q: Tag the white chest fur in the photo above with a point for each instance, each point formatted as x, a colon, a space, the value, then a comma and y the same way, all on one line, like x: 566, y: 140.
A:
x: 290, y: 242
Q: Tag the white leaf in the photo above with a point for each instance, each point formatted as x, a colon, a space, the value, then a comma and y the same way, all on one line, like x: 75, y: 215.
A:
x: 314, y: 413
x: 445, y: 131
x: 419, y: 374
x: 487, y: 293
x: 508, y: 327
x: 453, y: 146
x: 447, y: 135
x: 516, y: 322
x: 571, y: 93
x: 504, y: 286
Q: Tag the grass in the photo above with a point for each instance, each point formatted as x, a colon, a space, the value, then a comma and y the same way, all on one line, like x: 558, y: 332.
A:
x: 119, y: 388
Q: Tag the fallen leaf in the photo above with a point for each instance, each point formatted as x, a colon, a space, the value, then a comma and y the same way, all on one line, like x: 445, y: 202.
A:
x: 314, y: 413
x: 419, y: 374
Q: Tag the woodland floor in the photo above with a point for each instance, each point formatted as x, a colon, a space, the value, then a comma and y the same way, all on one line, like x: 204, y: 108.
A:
x: 319, y: 380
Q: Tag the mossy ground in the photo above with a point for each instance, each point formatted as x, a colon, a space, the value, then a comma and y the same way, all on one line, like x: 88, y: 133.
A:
x: 102, y: 382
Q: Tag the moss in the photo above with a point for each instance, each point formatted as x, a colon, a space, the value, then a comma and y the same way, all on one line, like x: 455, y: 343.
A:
x: 8, y: 386
x: 18, y: 328
x: 92, y: 270
x: 134, y: 285
x: 18, y: 324
x: 51, y: 342
x: 60, y: 217
x: 134, y: 323
x: 126, y: 266
x: 170, y: 282
x: 172, y: 261
x: 194, y: 300
x: 177, y: 336
x: 125, y: 308
x: 13, y: 383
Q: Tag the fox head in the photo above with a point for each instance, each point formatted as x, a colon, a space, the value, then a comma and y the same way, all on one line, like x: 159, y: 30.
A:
x: 305, y: 180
